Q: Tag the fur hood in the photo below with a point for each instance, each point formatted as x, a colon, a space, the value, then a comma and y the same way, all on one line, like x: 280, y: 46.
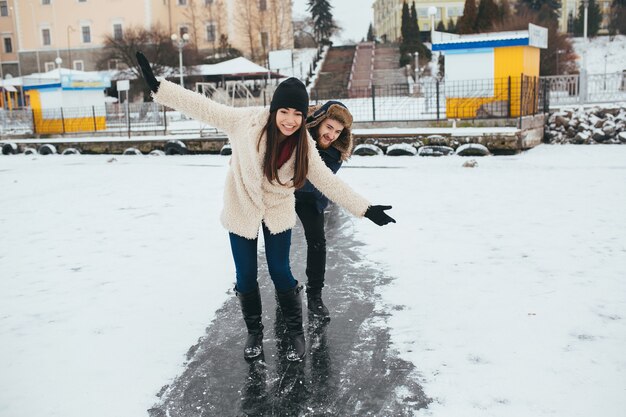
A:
x: 337, y: 111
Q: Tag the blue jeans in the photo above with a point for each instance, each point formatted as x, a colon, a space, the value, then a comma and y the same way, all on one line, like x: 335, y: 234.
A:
x: 277, y: 255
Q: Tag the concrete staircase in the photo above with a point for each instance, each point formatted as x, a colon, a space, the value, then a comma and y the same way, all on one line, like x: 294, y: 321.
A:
x: 386, y: 70
x: 362, y: 72
x: 332, y: 81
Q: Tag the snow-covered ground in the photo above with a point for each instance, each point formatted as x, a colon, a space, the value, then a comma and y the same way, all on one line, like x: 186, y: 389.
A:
x: 508, y: 291
x: 604, y: 56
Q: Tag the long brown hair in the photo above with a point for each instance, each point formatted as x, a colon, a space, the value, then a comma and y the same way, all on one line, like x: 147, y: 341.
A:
x: 270, y: 160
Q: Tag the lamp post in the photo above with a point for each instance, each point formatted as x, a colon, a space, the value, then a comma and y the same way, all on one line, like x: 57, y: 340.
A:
x: 180, y: 42
x: 558, y: 52
x: 432, y: 11
x: 69, y: 51
x: 58, y: 61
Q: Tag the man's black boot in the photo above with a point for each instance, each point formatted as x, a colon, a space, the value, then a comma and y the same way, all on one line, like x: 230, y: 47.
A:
x: 252, y: 314
x: 291, y: 307
x: 315, y: 303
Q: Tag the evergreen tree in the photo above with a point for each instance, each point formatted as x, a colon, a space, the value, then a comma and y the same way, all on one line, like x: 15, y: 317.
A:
x: 617, y: 23
x: 451, y: 26
x: 415, y: 29
x: 594, y: 18
x: 441, y: 27
x: 487, y: 16
x: 546, y: 8
x: 370, y: 34
x: 504, y: 11
x: 323, y: 23
x: 466, y: 23
x: 405, y: 27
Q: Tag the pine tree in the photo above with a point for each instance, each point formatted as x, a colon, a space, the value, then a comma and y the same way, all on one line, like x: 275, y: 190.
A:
x: 594, y: 18
x: 466, y: 23
x: 549, y: 9
x: 370, y: 34
x: 451, y: 26
x: 504, y: 11
x: 415, y: 29
x: 441, y: 27
x: 405, y: 27
x: 487, y: 16
x: 323, y: 24
x: 617, y: 23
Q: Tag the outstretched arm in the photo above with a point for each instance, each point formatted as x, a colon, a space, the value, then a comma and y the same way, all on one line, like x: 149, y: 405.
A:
x: 189, y: 102
x: 339, y: 192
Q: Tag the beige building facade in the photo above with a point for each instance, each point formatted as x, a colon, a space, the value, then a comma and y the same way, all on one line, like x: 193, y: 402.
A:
x: 45, y: 34
x: 388, y: 16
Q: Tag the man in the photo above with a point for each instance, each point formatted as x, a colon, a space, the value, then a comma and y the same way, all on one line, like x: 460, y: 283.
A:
x: 330, y: 126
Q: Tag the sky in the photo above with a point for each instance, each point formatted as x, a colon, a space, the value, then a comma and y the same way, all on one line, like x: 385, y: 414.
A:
x: 506, y: 286
x: 354, y: 17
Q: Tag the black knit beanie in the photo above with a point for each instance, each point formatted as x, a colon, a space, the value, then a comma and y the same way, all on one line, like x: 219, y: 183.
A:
x: 291, y: 93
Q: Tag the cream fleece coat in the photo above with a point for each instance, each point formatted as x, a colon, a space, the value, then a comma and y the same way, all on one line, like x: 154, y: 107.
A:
x: 249, y: 198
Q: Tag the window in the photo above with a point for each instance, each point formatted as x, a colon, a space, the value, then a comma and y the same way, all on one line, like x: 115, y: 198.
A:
x: 45, y: 1
x: 49, y: 66
x: 113, y: 64
x: 208, y: 2
x: 262, y: 5
x: 455, y: 11
x: 86, y: 32
x: 79, y: 65
x: 182, y: 30
x: 4, y: 8
x: 182, y: 2
x: 8, y: 45
x: 264, y: 40
x: 118, y: 34
x: 45, y: 37
x: 82, y: 1
x: 210, y: 32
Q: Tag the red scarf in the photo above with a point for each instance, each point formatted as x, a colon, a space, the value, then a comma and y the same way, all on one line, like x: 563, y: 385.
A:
x: 285, y: 149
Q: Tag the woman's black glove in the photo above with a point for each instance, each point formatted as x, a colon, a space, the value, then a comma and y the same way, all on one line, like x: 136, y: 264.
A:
x: 377, y: 215
x: 148, y: 75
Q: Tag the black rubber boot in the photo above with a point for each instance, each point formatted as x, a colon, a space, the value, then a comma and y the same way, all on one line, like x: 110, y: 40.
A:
x: 315, y: 303
x: 315, y: 271
x: 252, y: 314
x: 291, y: 307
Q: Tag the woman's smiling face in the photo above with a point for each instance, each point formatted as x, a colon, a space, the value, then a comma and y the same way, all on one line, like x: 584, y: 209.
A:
x: 288, y: 120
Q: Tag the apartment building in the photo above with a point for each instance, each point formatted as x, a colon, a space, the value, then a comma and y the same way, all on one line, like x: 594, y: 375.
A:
x: 41, y: 35
x: 388, y: 15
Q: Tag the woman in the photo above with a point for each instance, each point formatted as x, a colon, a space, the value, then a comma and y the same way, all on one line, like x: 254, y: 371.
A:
x: 272, y: 155
x: 330, y: 126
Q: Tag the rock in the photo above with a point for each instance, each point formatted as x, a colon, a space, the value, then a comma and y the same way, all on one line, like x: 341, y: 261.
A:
x: 470, y: 164
x: 581, y: 138
x: 436, y: 140
x: 609, y: 129
x: 622, y: 137
x: 598, y: 135
x: 561, y: 121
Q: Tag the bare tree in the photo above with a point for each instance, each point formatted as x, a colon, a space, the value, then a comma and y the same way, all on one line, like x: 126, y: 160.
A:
x: 280, y: 23
x: 155, y: 43
x: 193, y: 14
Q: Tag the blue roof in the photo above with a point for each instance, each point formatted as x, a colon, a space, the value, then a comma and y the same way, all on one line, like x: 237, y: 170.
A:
x: 480, y: 43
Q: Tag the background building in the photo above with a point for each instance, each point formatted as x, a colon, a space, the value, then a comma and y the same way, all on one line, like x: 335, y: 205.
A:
x: 388, y: 15
x: 45, y: 34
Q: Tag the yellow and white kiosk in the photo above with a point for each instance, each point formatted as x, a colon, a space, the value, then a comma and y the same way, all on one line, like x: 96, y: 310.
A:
x: 66, y: 100
x: 491, y: 72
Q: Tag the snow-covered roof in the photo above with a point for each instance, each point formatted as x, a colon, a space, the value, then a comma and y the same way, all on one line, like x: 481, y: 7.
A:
x: 234, y: 67
x: 535, y: 36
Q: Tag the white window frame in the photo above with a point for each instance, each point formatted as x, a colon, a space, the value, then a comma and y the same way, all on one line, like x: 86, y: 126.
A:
x: 43, y: 38
x: 82, y: 33
x: 49, y: 66
x: 206, y: 27
x: 4, y: 44
x: 4, y: 8
x: 121, y: 32
x: 77, y: 63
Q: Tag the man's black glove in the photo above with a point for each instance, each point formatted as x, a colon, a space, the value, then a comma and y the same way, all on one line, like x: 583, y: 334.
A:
x: 377, y: 215
x: 148, y: 75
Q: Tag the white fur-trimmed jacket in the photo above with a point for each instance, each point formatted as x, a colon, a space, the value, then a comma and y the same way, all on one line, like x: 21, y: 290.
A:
x: 249, y: 198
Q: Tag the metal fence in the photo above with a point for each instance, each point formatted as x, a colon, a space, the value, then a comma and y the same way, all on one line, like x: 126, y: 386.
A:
x: 580, y: 89
x: 434, y: 99
x: 428, y: 99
